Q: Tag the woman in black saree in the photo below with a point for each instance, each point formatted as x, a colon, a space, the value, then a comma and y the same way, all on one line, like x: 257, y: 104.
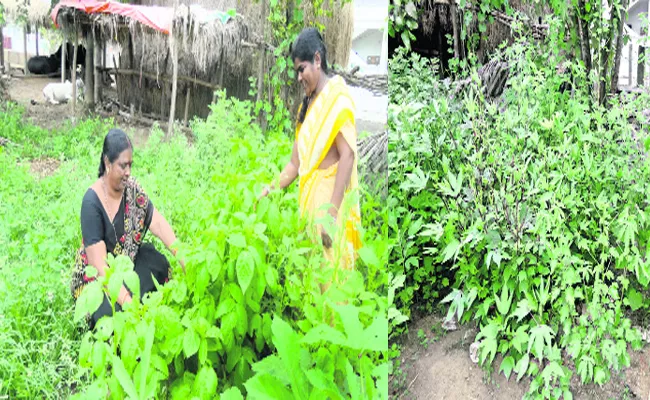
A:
x: 116, y: 214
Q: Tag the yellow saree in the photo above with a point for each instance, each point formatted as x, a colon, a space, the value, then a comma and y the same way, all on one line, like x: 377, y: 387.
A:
x: 331, y: 112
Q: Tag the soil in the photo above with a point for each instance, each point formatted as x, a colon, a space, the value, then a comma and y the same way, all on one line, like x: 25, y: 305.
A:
x: 28, y: 92
x: 441, y: 369
x: 44, y: 167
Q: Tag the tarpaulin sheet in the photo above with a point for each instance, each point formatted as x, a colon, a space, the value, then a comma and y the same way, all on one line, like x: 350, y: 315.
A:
x: 158, y: 18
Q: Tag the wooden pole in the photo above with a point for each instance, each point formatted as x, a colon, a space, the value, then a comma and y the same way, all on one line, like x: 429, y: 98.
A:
x: 172, y: 46
x: 90, y: 79
x: 74, y: 68
x: 25, y: 49
x: 2, y: 50
x: 98, y: 76
x: 36, y: 33
x: 64, y: 45
x: 187, y: 104
x: 260, y: 65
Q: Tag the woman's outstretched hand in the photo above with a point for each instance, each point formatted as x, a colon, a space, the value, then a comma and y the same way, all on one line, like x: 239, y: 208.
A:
x: 265, y: 192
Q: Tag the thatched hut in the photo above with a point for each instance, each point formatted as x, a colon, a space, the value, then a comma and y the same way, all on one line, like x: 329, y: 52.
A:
x: 223, y: 52
x: 436, y: 23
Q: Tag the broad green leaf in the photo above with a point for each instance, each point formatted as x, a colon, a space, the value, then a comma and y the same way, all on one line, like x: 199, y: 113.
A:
x: 507, y: 365
x: 635, y: 299
x: 504, y: 302
x: 191, y: 341
x: 146, y: 359
x: 232, y: 394
x: 522, y: 366
x: 540, y: 335
x: 353, y: 381
x: 267, y: 387
x: 272, y: 365
x: 522, y: 310
x: 451, y: 250
x: 205, y: 384
x: 237, y: 240
x: 123, y: 377
x: 287, y: 342
x: 245, y: 270
x: 89, y: 301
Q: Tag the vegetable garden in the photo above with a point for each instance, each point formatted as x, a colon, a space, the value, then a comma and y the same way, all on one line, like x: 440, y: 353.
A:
x: 524, y: 215
x: 247, y: 319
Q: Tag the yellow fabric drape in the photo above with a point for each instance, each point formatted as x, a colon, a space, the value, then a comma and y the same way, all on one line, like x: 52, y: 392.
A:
x: 331, y: 112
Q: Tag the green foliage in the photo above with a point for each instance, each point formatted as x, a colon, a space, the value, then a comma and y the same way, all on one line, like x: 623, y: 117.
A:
x: 529, y: 213
x: 38, y: 233
x: 287, y: 19
x: 252, y: 276
x: 403, y: 18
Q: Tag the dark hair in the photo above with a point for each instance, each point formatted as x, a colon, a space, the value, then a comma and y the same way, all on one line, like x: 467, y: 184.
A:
x: 115, y: 142
x: 304, y: 49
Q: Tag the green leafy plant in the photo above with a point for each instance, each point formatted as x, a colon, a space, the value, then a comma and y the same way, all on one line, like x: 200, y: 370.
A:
x: 403, y: 18
x: 532, y: 209
x: 208, y: 332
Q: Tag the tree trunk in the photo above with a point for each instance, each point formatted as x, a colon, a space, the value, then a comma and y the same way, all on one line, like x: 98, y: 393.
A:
x: 454, y: 24
x: 613, y: 87
x: 36, y: 35
x: 583, y: 32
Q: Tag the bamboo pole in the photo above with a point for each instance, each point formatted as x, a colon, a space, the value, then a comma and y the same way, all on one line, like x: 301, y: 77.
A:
x: 172, y: 46
x: 74, y: 68
x: 2, y: 50
x: 25, y: 49
x: 64, y: 44
x: 97, y: 74
x: 90, y: 78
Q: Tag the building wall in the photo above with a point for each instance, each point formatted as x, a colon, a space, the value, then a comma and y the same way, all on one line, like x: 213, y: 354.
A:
x: 368, y: 44
x: 15, y: 55
x: 635, y: 15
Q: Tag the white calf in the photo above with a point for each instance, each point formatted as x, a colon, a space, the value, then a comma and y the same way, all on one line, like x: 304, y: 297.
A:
x: 56, y: 93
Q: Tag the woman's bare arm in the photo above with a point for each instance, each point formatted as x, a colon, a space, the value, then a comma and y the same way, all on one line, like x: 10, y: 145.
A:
x: 343, y: 173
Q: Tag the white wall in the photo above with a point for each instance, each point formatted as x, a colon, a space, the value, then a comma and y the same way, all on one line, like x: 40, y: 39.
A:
x: 16, y: 34
x: 368, y: 44
x: 371, y: 15
x: 634, y: 15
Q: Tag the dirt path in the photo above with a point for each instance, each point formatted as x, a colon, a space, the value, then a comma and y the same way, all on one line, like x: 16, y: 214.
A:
x: 439, y: 367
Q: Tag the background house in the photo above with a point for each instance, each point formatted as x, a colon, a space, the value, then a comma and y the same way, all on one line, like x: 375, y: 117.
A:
x: 370, y: 37
x: 634, y: 70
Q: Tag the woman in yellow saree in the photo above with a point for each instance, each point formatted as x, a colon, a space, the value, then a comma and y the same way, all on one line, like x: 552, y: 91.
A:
x: 325, y: 152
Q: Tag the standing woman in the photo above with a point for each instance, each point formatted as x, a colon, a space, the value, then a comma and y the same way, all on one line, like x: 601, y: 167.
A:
x: 325, y: 150
x: 115, y: 216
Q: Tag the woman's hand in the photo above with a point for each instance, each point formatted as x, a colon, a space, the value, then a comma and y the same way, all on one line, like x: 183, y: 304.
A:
x: 326, y: 239
x: 124, y: 298
x: 265, y: 192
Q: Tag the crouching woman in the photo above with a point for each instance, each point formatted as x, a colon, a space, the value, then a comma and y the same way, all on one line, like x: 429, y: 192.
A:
x: 116, y: 214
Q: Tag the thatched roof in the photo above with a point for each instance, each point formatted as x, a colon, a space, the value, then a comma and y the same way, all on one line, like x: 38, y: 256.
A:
x: 204, y: 40
x: 436, y: 15
x: 36, y: 11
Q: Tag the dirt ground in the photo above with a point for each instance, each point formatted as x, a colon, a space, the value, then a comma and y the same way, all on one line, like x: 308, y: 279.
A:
x: 25, y: 90
x: 441, y: 369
